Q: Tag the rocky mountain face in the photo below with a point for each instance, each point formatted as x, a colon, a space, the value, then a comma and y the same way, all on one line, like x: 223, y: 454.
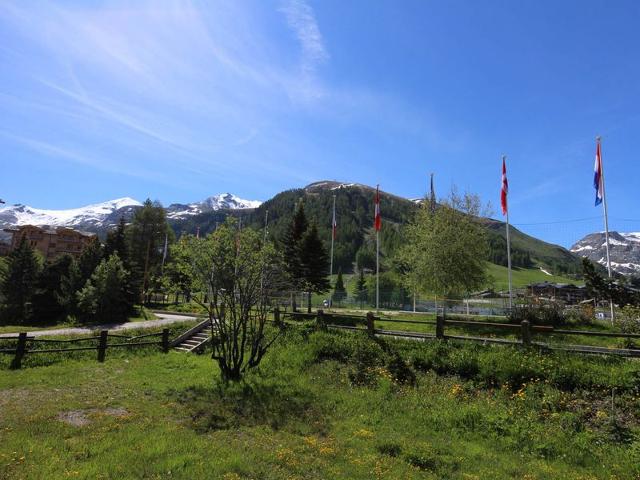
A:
x: 624, y: 250
x: 101, y: 217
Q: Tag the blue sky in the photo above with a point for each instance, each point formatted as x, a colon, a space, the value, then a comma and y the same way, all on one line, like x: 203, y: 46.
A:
x: 180, y: 100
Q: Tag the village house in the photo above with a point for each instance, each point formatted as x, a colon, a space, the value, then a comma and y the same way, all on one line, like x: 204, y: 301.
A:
x: 51, y: 242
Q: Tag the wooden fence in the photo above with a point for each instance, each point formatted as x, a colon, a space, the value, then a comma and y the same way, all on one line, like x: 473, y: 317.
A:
x: 524, y: 331
x: 121, y: 341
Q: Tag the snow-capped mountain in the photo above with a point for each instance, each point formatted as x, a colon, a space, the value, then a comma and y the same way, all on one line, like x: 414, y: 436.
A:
x: 91, y: 217
x: 223, y: 201
x: 624, y: 250
x: 101, y: 217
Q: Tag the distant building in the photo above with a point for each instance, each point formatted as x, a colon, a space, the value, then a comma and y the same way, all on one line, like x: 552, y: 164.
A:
x: 51, y: 242
x: 567, y: 292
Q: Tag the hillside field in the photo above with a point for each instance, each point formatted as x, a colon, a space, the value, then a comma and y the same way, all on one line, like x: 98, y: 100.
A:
x: 325, y: 406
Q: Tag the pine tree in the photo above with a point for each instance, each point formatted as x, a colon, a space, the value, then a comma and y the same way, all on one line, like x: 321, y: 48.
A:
x: 361, y: 289
x: 291, y: 244
x: 19, y: 283
x: 103, y: 297
x: 145, y: 238
x: 89, y: 260
x: 291, y: 247
x: 314, y: 262
x: 70, y: 285
x: 48, y: 302
x: 339, y: 292
x: 116, y: 242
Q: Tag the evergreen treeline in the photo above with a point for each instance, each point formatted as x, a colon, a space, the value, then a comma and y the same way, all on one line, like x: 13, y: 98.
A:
x: 102, y: 285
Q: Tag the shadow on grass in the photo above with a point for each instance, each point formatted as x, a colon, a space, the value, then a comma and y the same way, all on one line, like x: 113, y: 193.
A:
x: 259, y: 402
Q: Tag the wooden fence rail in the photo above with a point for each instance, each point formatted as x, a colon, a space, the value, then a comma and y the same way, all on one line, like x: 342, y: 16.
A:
x: 525, y: 331
x: 21, y: 349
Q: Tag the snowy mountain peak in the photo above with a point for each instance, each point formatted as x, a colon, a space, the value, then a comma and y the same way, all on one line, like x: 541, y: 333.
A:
x: 222, y: 201
x: 624, y: 250
x: 230, y: 201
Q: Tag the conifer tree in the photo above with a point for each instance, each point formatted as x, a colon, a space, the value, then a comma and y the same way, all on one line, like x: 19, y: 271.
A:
x: 291, y: 244
x: 339, y: 292
x: 314, y: 262
x: 89, y: 259
x: 103, y: 297
x: 18, y: 286
x: 116, y: 242
x: 48, y: 302
x: 361, y: 289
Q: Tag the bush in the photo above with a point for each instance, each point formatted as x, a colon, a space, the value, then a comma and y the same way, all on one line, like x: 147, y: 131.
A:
x: 400, y: 371
x: 538, y: 314
x: 629, y: 319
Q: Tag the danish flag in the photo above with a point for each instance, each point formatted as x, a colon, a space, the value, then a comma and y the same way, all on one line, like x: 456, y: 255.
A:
x: 377, y: 220
x: 505, y: 188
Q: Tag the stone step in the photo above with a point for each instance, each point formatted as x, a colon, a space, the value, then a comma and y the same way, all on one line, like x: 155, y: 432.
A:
x: 182, y: 349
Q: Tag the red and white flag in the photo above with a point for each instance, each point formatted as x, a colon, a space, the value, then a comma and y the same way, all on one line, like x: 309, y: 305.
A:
x: 377, y: 220
x: 505, y: 188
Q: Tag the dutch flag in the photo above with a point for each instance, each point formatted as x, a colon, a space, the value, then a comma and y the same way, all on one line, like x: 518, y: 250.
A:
x: 598, y: 183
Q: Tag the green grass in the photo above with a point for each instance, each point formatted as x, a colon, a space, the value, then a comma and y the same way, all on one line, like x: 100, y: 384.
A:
x: 521, y: 277
x: 325, y: 406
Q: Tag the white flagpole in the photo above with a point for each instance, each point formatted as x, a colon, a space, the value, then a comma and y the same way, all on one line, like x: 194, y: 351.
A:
x: 606, y: 223
x: 164, y: 253
x: 504, y: 158
x: 333, y: 226
x: 266, y: 225
x: 378, y: 255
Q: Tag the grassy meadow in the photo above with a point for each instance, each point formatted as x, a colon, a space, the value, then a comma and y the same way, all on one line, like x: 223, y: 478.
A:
x: 325, y: 406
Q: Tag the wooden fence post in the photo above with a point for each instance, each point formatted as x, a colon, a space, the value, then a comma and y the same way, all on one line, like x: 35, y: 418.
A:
x: 440, y: 326
x: 526, y: 332
x: 102, y: 345
x: 165, y: 340
x: 320, y: 320
x: 371, y: 326
x: 276, y: 316
x: 21, y: 348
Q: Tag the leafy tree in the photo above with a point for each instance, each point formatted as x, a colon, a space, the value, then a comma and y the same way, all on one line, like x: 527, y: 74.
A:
x: 446, y: 250
x: 360, y: 291
x: 314, y: 263
x: 18, y: 286
x: 178, y: 270
x: 240, y: 273
x: 103, y: 297
x: 48, y: 299
x: 339, y: 292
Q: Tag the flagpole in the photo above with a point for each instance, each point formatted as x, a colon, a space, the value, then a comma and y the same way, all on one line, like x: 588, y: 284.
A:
x: 606, y: 223
x: 378, y: 259
x: 504, y: 158
x: 164, y: 253
x: 266, y: 225
x: 333, y: 227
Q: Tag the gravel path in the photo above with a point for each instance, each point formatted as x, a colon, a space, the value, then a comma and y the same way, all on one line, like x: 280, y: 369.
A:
x: 163, y: 319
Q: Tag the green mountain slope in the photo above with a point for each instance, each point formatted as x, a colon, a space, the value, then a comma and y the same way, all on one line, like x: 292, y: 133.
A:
x: 354, y: 212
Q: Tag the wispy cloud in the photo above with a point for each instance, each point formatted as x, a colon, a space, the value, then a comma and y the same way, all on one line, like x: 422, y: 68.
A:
x: 205, y: 87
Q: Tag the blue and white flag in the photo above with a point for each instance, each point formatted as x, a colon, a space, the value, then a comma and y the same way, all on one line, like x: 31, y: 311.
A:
x: 598, y: 183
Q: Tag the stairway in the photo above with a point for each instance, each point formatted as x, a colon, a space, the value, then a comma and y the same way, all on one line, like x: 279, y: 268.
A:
x: 193, y: 339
